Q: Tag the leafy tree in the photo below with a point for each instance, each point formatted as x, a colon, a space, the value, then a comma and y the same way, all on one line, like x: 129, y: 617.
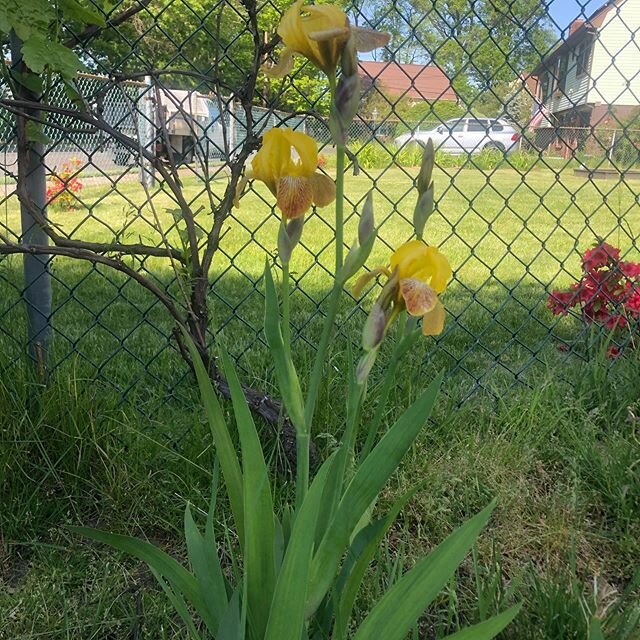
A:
x: 200, y: 37
x: 482, y: 45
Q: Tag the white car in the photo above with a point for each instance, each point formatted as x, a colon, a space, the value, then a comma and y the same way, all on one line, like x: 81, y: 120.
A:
x: 467, y: 135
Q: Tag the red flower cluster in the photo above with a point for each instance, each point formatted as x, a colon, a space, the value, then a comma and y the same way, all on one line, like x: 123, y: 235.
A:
x: 608, y: 293
x: 63, y: 185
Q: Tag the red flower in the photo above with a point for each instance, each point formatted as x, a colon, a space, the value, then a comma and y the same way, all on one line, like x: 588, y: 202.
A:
x: 608, y: 293
x: 600, y: 256
x: 613, y: 351
x: 561, y: 301
x: 630, y: 269
x: 633, y: 303
x: 615, y: 321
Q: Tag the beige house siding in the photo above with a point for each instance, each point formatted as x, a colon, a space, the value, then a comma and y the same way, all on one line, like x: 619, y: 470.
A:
x: 616, y: 57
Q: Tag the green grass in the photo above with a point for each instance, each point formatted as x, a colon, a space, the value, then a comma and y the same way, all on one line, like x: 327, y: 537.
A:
x: 560, y: 452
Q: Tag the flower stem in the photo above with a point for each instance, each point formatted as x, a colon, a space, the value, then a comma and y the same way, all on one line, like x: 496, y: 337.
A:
x: 339, y: 208
x: 286, y: 313
x: 302, y: 440
x: 332, y: 311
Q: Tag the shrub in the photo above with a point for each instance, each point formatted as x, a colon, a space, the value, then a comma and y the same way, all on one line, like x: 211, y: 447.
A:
x: 487, y: 159
x: 522, y: 160
x: 375, y: 155
x: 410, y: 155
x: 608, y: 294
x: 64, y: 184
x: 446, y: 160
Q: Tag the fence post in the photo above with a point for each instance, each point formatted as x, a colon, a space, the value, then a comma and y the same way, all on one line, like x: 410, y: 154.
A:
x: 37, y: 277
x: 148, y: 132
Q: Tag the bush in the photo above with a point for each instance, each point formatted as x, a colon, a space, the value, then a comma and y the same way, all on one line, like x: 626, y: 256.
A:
x: 446, y: 160
x: 607, y: 295
x: 410, y: 155
x: 487, y: 159
x: 375, y: 155
x: 64, y: 184
x: 522, y: 160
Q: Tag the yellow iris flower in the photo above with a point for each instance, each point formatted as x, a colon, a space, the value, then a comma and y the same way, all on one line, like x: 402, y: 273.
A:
x: 319, y: 33
x: 421, y: 272
x: 287, y: 163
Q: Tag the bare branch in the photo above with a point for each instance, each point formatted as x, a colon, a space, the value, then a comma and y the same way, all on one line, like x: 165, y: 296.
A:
x: 9, y: 248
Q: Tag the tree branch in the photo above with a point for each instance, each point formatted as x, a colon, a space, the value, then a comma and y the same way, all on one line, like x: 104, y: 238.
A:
x: 93, y: 29
x: 9, y: 248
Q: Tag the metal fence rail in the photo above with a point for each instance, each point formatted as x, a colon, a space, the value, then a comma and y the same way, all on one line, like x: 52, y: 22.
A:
x: 514, y: 211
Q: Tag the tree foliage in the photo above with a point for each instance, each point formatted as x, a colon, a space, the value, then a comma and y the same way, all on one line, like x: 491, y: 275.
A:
x: 481, y: 45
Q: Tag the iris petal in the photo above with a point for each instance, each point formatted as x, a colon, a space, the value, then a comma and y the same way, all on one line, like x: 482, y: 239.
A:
x: 294, y: 196
x: 307, y: 151
x: 419, y: 298
x: 323, y: 189
x: 433, y: 321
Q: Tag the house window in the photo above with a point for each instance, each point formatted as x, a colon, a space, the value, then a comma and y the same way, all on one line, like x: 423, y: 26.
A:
x: 583, y: 53
x: 563, y: 65
x: 548, y: 84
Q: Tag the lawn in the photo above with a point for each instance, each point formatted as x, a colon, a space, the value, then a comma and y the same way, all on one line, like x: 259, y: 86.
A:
x: 559, y: 451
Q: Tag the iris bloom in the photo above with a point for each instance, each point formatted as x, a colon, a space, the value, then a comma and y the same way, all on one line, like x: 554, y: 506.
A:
x: 287, y: 163
x: 319, y: 33
x: 417, y: 273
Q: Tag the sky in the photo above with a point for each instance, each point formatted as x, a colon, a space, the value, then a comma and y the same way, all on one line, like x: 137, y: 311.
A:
x: 564, y: 11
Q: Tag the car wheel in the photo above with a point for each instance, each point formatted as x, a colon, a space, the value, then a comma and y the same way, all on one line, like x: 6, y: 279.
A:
x: 494, y: 146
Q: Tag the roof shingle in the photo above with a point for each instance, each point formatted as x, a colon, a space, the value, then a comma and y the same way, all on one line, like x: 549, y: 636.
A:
x: 416, y: 81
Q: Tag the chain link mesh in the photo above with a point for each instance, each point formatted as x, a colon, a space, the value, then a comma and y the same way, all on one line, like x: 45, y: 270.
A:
x: 539, y: 121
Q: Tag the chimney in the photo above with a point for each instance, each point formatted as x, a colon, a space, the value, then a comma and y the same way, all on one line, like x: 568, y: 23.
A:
x: 574, y: 26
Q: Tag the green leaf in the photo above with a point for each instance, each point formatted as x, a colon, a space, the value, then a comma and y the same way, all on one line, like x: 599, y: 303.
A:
x: 489, y: 628
x: 225, y: 448
x: 178, y: 603
x: 402, y: 605
x: 29, y: 80
x: 356, y: 563
x: 285, y: 371
x: 206, y: 567
x: 163, y: 564
x: 85, y: 13
x: 74, y: 95
x: 39, y: 53
x: 26, y: 18
x: 368, y: 481
x: 231, y: 626
x: 335, y: 484
x: 595, y: 630
x: 259, y: 518
x: 287, y: 616
x: 36, y: 134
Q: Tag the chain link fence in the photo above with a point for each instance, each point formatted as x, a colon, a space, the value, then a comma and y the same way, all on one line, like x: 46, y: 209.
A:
x: 525, y: 181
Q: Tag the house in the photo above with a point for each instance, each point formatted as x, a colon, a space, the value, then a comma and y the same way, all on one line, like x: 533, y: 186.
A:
x: 593, y: 74
x: 417, y: 82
